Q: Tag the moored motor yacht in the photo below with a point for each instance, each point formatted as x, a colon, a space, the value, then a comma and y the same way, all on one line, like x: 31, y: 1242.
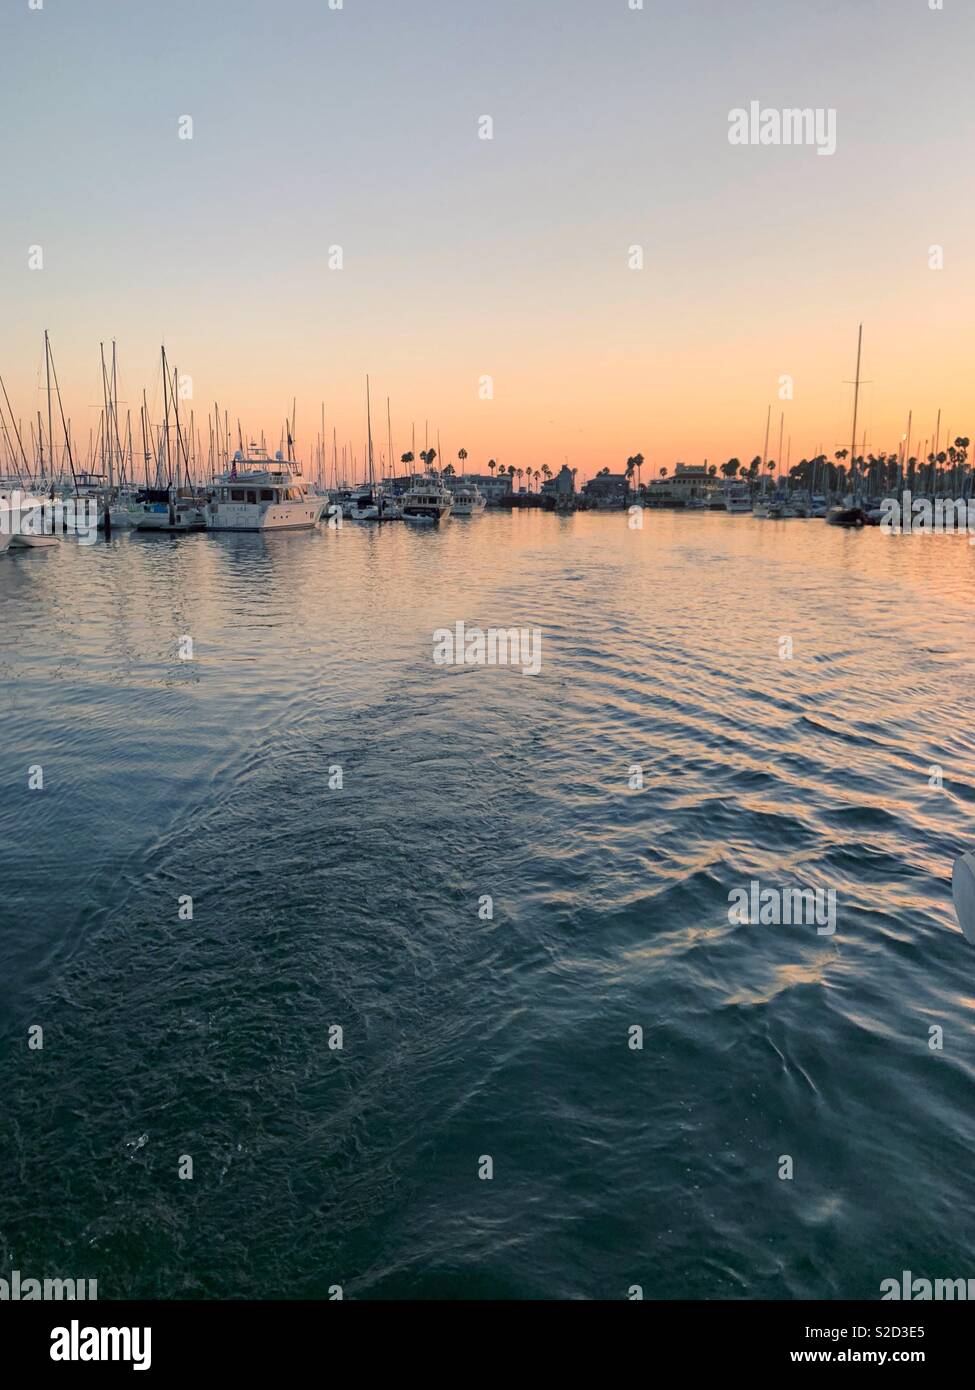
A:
x: 467, y: 500
x: 738, y: 499
x: 426, y: 503
x: 263, y: 494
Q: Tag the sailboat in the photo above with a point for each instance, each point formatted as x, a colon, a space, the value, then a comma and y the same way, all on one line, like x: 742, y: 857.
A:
x: 849, y: 513
x: 171, y: 507
x: 370, y: 501
x: 30, y: 530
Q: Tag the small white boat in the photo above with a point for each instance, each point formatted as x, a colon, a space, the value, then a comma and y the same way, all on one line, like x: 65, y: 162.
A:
x: 427, y: 503
x: 773, y: 509
x: 468, y: 500
x: 33, y: 542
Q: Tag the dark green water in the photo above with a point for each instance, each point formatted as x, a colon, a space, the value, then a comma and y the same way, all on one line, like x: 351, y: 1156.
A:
x: 316, y: 906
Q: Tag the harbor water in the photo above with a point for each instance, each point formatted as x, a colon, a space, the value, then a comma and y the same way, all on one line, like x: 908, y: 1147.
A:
x: 219, y: 852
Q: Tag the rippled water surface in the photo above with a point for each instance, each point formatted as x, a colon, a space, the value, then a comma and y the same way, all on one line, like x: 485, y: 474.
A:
x: 358, y: 906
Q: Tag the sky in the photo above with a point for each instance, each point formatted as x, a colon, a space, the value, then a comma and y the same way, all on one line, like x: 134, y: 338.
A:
x: 466, y: 258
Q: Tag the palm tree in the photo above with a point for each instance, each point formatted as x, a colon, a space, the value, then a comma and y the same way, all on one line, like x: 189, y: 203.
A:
x: 449, y: 471
x: 546, y: 470
x: 462, y: 455
x: 492, y: 465
x: 407, y: 459
x: 521, y: 474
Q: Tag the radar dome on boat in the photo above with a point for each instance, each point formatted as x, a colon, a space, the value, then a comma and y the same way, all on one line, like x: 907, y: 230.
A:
x: 279, y: 456
x: 238, y: 456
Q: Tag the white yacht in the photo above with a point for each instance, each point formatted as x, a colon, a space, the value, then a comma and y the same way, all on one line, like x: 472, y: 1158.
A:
x: 468, y: 500
x: 426, y: 503
x: 738, y: 499
x: 773, y: 509
x: 263, y: 494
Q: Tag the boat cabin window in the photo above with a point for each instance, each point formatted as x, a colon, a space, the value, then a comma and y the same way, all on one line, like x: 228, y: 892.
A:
x: 236, y: 494
x: 267, y: 495
x: 252, y: 498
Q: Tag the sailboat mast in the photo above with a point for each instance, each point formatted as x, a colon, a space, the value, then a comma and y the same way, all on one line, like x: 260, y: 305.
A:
x: 17, y: 432
x: 180, y: 441
x: 64, y: 423
x: 372, y: 477
x: 856, y: 402
x: 119, y: 451
x: 389, y: 431
x: 781, y: 432
x: 108, y: 416
x: 169, y: 467
x: 50, y: 418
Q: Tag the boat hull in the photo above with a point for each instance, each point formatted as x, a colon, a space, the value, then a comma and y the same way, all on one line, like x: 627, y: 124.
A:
x: 425, y: 516
x: 29, y: 542
x: 298, y: 516
x: 852, y: 518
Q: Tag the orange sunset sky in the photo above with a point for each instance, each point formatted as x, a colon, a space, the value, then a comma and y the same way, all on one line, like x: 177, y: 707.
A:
x: 508, y: 257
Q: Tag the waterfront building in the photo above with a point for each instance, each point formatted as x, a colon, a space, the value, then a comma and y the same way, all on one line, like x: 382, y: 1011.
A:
x: 690, y: 486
